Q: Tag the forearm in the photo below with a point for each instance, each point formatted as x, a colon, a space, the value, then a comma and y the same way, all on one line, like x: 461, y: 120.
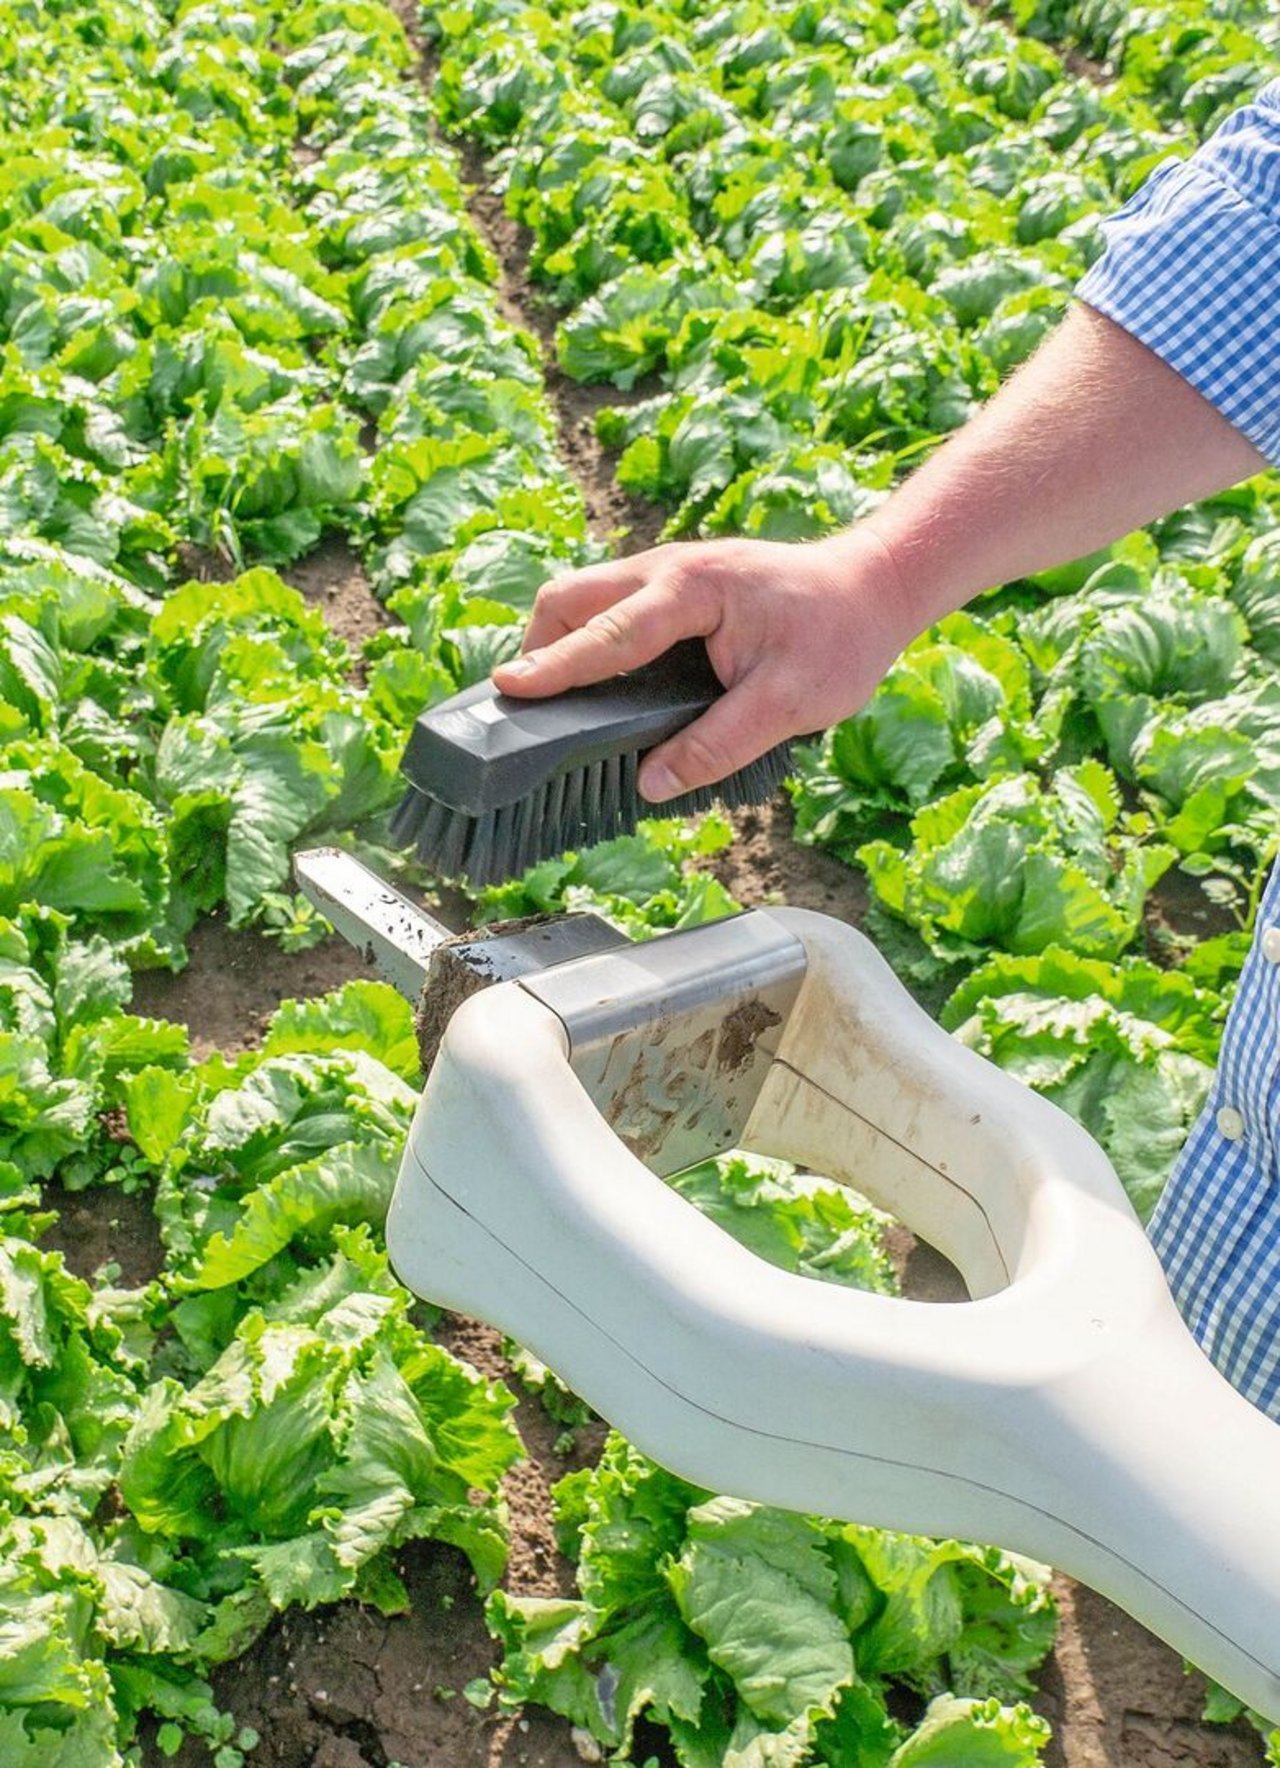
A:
x: 1094, y: 437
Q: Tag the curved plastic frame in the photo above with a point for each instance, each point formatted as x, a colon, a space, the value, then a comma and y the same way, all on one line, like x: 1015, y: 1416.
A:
x: 1067, y: 1414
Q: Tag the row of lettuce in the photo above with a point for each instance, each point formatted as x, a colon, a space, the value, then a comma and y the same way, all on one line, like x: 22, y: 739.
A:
x: 1191, y: 63
x: 263, y: 1423
x: 241, y: 304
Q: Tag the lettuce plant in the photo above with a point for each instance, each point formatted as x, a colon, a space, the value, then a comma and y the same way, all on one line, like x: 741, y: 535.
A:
x: 1015, y: 864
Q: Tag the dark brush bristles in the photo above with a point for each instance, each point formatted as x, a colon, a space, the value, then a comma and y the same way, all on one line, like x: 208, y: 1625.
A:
x: 575, y: 809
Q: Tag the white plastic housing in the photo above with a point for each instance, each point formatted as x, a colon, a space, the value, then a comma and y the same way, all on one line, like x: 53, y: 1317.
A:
x: 1066, y: 1413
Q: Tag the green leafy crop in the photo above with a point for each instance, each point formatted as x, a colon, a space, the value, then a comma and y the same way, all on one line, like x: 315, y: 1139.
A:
x: 1015, y: 864
x: 244, y: 310
x: 1126, y: 1048
x: 763, y: 1635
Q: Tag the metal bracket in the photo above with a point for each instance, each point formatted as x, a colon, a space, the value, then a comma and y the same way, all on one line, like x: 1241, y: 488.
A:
x: 404, y: 942
x: 672, y: 1038
x: 395, y: 935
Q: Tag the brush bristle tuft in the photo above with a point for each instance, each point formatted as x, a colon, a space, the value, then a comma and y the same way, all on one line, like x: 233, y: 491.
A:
x: 574, y: 810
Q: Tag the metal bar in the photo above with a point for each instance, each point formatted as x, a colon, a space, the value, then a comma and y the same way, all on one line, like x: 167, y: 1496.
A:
x: 673, y: 1038
x: 395, y: 934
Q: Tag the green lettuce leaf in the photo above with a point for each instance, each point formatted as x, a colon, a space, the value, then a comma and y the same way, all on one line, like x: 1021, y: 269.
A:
x: 1127, y: 1049
x: 328, y: 1431
x: 973, y: 1734
x: 1019, y: 865
x: 797, y: 1222
x: 641, y: 883
x: 757, y: 1634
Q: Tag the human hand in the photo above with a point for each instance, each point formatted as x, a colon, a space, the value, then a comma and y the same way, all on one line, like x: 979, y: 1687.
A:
x: 799, y: 635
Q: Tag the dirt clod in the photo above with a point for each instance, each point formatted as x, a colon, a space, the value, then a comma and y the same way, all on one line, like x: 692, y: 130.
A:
x: 741, y: 1032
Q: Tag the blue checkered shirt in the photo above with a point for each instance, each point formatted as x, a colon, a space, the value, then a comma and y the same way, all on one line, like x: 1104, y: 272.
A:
x: 1192, y: 269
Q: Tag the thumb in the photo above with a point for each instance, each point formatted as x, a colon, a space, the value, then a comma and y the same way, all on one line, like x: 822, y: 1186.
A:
x: 729, y: 734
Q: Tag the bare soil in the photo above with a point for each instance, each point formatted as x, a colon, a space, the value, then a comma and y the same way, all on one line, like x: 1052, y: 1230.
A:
x: 101, y: 1228
x: 235, y: 980
x: 632, y: 523
x: 1179, y: 914
x: 1073, y: 58
x: 1115, y: 1696
x: 346, y: 1687
x: 332, y: 579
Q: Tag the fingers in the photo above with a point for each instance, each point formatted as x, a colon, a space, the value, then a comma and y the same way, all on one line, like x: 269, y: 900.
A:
x: 735, y: 730
x: 569, y: 601
x: 622, y: 635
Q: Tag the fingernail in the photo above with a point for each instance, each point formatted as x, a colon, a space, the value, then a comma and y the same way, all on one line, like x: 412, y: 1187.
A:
x: 658, y: 783
x: 518, y: 666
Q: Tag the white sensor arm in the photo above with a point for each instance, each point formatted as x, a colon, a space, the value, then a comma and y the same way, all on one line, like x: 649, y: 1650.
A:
x: 1067, y: 1414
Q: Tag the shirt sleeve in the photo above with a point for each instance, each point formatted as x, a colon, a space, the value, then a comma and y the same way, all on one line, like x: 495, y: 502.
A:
x: 1191, y: 268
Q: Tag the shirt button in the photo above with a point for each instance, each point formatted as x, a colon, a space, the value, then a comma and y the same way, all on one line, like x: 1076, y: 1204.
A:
x: 1230, y: 1123
x: 1271, y: 945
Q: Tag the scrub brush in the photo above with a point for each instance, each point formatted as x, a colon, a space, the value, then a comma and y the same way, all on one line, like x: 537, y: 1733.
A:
x: 497, y: 783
